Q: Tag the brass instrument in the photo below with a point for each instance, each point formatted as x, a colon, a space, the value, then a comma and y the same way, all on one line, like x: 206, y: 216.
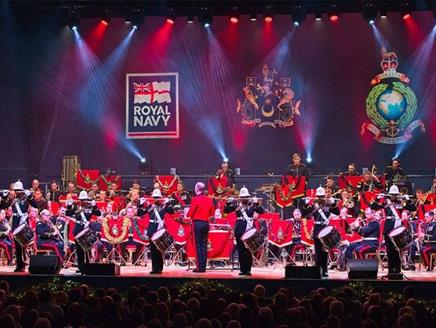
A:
x: 373, y: 171
x: 55, y: 229
x: 349, y: 203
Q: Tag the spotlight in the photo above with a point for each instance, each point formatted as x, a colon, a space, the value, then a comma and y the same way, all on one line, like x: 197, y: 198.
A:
x: 383, y: 14
x: 144, y: 166
x: 298, y: 17
x: 205, y: 18
x: 268, y: 18
x: 234, y: 16
x: 309, y: 159
x: 370, y: 14
x: 136, y: 18
x: 73, y: 19
x: 105, y: 18
x: 225, y: 160
x: 318, y: 16
x: 234, y: 19
x: 206, y: 21
x: 267, y: 15
x: 334, y: 17
x: 190, y: 19
x: 253, y: 16
x: 171, y: 16
x: 134, y: 27
x: 406, y: 14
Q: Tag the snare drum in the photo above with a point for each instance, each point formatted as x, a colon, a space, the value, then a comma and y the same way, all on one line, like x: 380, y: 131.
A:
x: 162, y: 239
x: 253, y: 239
x: 23, y: 235
x: 401, y: 237
x: 329, y: 237
x: 86, y: 238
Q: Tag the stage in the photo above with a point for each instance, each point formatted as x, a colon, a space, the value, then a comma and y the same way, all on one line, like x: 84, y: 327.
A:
x: 272, y: 277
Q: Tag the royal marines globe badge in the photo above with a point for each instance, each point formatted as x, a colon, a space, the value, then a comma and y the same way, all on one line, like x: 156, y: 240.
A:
x: 391, y: 105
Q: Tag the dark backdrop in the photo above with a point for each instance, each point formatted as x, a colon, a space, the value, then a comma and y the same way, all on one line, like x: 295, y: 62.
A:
x: 53, y: 103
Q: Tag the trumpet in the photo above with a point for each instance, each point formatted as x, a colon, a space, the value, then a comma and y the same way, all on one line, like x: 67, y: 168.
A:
x: 251, y: 200
x: 359, y: 222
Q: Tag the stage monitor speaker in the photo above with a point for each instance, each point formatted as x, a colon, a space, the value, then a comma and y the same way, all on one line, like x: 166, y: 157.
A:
x: 302, y: 272
x: 101, y: 269
x: 44, y: 264
x: 362, y: 269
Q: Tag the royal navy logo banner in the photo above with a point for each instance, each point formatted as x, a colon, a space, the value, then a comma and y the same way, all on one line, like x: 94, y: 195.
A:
x: 152, y: 105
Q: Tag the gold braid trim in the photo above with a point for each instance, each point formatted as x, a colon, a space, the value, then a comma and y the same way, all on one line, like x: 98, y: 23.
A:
x: 165, y: 186
x: 108, y: 233
x: 305, y: 231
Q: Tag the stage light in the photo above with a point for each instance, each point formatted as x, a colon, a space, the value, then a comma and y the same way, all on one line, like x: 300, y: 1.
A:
x: 253, y: 16
x: 136, y: 18
x: 134, y: 27
x: 205, y: 20
x: 190, y: 19
x: 234, y: 19
x: 298, y: 16
x: 171, y: 16
x: 73, y: 19
x: 105, y: 18
x: 318, y: 17
x: 144, y: 166
x: 383, y: 14
x: 234, y: 15
x: 268, y: 14
x: 406, y: 14
x: 225, y: 160
x: 334, y: 17
x: 369, y: 14
x: 268, y: 18
x: 309, y: 159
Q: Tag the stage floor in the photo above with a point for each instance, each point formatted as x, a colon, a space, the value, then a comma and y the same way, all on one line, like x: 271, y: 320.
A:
x: 265, y: 273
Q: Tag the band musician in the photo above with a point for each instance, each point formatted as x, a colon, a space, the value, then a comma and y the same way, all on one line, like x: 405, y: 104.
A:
x: 245, y: 210
x: 320, y: 210
x: 5, y: 236
x: 156, y: 212
x: 48, y: 235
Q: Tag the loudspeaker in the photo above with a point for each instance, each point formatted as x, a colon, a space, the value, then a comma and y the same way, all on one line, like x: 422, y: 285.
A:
x: 362, y: 269
x: 44, y: 264
x: 101, y: 269
x: 302, y: 272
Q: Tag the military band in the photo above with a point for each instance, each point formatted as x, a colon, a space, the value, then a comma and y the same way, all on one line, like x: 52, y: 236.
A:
x: 377, y: 206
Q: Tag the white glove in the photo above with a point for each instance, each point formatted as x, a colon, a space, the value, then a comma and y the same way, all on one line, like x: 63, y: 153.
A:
x: 27, y: 193
x: 406, y: 197
x: 142, y: 200
x: 93, y: 202
x: 306, y: 200
x: 379, y: 196
x: 69, y: 202
x: 316, y: 205
x: 166, y: 200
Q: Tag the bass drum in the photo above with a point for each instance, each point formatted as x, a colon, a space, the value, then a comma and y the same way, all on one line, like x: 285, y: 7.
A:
x: 162, y: 239
x: 86, y: 238
x: 329, y: 237
x: 253, y: 239
x: 23, y: 235
x: 401, y: 237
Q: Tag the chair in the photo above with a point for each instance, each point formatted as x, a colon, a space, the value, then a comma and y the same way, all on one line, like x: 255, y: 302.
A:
x: 432, y: 260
